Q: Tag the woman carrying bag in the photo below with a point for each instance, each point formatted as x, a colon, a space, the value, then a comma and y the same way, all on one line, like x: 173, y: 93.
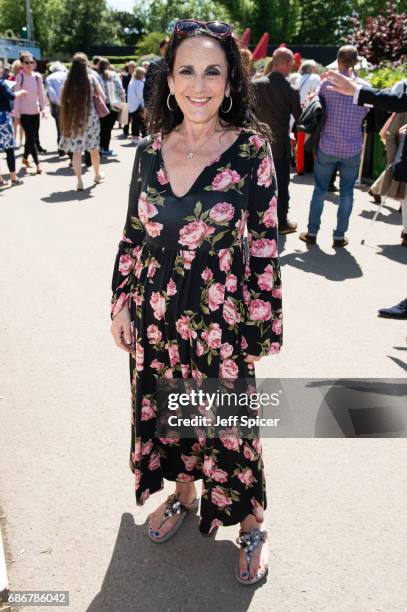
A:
x: 80, y: 127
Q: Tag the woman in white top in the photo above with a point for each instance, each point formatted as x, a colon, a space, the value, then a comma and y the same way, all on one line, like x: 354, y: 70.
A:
x: 308, y: 82
x: 115, y: 96
x: 136, y: 104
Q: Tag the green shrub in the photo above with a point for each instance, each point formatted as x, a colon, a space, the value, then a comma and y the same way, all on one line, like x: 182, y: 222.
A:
x: 388, y: 76
x: 150, y: 43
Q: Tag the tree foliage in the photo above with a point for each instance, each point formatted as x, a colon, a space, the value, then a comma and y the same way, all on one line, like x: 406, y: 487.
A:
x: 371, y: 8
x: 44, y: 13
x: 280, y: 18
x: 381, y: 38
x: 64, y: 26
x: 82, y: 24
x: 323, y: 23
x: 159, y: 16
x: 130, y: 26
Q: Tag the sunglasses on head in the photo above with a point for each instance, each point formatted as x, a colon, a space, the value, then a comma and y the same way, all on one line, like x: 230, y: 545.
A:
x: 187, y: 26
x: 29, y: 62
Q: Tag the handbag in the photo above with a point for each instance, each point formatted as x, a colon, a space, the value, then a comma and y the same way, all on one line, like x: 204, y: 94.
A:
x: 386, y: 127
x: 114, y: 99
x: 123, y: 117
x: 400, y: 162
x: 100, y: 106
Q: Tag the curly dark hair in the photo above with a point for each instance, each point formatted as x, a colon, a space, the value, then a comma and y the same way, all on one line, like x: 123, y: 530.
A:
x: 242, y: 114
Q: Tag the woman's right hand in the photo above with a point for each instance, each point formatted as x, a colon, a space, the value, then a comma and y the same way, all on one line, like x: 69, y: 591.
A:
x: 121, y: 330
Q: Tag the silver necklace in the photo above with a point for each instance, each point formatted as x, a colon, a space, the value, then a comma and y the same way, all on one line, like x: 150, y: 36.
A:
x: 191, y: 154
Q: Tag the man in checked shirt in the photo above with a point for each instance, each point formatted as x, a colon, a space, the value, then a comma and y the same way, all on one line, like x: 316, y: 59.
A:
x: 340, y: 146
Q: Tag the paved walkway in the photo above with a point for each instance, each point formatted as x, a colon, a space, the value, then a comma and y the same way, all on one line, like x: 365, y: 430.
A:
x: 336, y: 514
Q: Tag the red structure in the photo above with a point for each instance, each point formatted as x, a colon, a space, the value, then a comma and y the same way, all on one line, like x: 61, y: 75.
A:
x: 246, y: 37
x: 261, y: 49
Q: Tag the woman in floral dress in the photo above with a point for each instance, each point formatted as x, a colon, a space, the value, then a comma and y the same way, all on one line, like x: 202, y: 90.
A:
x: 80, y: 126
x: 187, y: 302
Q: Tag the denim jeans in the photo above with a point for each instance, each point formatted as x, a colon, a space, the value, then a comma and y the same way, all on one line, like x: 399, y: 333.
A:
x: 348, y: 173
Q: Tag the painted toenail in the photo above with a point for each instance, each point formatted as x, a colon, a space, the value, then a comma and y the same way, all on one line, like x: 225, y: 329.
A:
x: 244, y: 574
x: 156, y: 533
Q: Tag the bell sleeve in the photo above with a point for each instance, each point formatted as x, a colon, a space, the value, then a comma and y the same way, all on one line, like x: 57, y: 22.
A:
x: 262, y: 325
x: 130, y: 245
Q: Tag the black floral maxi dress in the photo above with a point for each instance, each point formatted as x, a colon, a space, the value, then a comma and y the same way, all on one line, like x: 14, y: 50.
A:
x: 197, y: 308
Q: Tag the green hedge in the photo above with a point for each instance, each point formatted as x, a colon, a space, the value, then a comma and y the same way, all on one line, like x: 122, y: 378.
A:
x: 120, y: 59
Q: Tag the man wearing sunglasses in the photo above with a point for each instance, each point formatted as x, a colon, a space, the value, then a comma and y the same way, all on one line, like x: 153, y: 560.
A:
x: 27, y: 109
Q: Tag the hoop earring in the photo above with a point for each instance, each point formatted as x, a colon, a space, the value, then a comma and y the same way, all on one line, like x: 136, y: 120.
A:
x: 168, y: 103
x: 230, y: 105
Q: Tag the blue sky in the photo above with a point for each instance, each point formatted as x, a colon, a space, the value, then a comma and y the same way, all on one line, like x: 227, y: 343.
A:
x: 122, y: 5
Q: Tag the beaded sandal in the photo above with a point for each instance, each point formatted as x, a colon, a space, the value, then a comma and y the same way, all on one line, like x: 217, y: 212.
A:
x: 172, y: 506
x: 249, y: 541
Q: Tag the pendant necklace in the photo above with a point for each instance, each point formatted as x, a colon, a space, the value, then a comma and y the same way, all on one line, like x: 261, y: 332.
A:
x: 191, y: 154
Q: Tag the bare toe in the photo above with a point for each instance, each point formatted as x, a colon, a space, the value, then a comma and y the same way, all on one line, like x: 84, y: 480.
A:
x: 155, y: 520
x: 243, y: 566
x: 258, y: 564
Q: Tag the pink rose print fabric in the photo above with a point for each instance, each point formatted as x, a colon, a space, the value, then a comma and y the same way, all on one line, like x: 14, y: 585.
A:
x: 199, y: 302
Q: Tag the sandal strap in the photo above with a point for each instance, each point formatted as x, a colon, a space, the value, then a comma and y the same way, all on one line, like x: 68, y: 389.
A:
x: 250, y: 540
x: 174, y: 506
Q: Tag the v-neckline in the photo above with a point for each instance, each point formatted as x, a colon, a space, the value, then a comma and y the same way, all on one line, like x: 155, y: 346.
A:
x: 217, y: 160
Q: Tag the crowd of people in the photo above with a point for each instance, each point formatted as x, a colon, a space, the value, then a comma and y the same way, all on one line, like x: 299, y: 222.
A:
x: 85, y: 101
x: 314, y: 129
